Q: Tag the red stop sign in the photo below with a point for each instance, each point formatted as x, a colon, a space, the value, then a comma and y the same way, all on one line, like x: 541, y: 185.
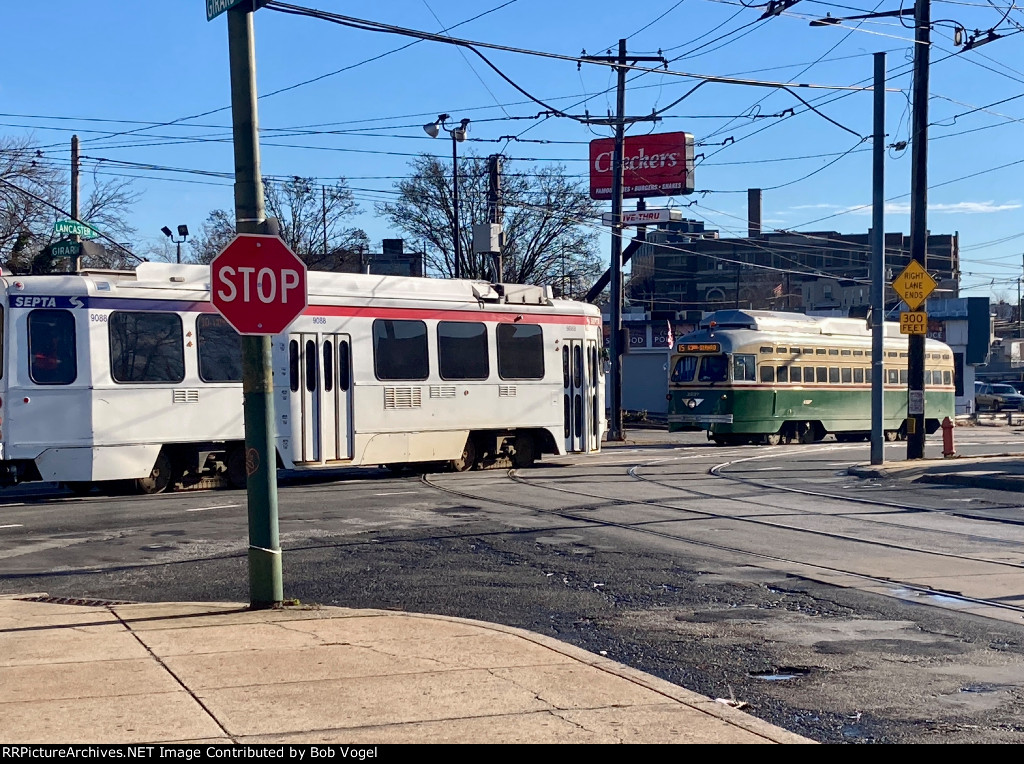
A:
x: 258, y: 284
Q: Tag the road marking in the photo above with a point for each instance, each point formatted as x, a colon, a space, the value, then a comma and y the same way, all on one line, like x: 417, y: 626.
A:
x: 219, y: 506
x: 394, y: 493
x: 12, y: 526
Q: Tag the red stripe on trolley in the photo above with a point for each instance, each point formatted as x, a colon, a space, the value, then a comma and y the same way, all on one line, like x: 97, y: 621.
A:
x: 351, y: 311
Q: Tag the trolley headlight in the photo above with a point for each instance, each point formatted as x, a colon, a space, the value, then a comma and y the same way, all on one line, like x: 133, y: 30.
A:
x: 691, y: 403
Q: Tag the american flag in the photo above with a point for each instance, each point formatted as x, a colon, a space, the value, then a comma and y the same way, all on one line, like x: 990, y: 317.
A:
x: 669, y: 339
x: 777, y: 292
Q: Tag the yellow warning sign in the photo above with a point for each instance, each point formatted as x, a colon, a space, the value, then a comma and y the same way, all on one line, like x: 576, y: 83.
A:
x: 914, y: 323
x: 914, y: 285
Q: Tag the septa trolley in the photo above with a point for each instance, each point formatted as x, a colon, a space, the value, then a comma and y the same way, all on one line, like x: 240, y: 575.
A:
x: 132, y: 376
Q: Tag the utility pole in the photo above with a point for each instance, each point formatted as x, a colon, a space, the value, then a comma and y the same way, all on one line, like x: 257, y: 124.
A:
x: 621, y: 61
x: 1020, y: 318
x: 918, y: 220
x: 494, y: 211
x: 74, y: 198
x: 266, y: 586
x: 323, y: 207
x: 878, y: 264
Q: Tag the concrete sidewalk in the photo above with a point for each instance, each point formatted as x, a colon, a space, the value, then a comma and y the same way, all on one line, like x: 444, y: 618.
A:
x: 100, y: 672
x: 999, y: 472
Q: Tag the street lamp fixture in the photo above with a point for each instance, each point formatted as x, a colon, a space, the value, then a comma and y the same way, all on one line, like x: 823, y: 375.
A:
x: 182, y: 232
x: 458, y: 134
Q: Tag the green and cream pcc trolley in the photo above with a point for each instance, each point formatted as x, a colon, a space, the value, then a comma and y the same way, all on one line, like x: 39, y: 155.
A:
x: 749, y: 376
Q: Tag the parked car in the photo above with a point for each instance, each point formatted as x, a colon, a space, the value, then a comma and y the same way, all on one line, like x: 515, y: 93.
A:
x: 1016, y: 384
x: 997, y: 397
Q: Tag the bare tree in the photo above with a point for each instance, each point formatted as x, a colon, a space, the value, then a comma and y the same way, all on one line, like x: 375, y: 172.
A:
x: 310, y: 215
x: 218, y: 230
x: 35, y: 193
x: 549, y: 219
x: 29, y: 187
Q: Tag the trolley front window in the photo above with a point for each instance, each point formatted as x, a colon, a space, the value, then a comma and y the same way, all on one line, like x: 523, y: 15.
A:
x: 146, y: 347
x: 400, y: 349
x: 743, y: 366
x: 51, y: 347
x: 685, y: 368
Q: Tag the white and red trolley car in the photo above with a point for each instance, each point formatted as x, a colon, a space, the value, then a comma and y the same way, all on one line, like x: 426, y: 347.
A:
x: 133, y: 376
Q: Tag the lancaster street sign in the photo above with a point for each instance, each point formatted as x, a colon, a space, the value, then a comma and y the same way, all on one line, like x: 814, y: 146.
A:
x: 74, y: 228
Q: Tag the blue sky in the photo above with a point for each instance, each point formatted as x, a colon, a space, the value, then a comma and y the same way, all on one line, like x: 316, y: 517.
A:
x: 117, y: 72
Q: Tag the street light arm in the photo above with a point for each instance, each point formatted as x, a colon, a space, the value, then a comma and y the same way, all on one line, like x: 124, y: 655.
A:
x: 830, y: 20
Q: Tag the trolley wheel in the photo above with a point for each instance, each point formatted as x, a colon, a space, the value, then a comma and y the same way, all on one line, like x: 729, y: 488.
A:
x: 236, y: 467
x: 468, y: 458
x: 773, y: 439
x: 808, y: 434
x: 80, y: 487
x: 526, y: 451
x: 396, y: 468
x: 892, y: 435
x: 158, y: 479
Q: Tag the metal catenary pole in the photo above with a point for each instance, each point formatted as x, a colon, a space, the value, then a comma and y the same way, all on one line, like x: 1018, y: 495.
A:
x: 266, y: 587
x: 878, y: 264
x: 455, y: 207
x: 918, y: 220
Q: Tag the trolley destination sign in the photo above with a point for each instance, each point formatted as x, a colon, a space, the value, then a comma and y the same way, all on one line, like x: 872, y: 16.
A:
x: 914, y: 285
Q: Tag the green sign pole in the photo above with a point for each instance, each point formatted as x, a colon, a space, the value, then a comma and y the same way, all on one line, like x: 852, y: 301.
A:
x: 266, y: 586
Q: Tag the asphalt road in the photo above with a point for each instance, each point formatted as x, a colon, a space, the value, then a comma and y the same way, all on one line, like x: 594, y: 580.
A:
x: 620, y: 567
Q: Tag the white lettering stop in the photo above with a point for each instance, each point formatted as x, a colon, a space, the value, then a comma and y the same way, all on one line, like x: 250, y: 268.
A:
x: 266, y: 284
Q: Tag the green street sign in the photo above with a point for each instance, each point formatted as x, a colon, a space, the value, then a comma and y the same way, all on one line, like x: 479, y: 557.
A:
x: 215, y: 8
x: 66, y: 249
x: 74, y: 228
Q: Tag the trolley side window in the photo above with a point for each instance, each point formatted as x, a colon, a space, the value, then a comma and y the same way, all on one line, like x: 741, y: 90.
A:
x: 220, y: 349
x: 520, y: 351
x: 51, y: 347
x: 462, y: 350
x: 685, y: 368
x: 146, y: 347
x: 400, y: 349
x: 743, y: 369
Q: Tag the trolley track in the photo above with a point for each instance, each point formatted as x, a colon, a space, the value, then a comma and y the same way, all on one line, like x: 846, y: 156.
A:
x: 583, y: 514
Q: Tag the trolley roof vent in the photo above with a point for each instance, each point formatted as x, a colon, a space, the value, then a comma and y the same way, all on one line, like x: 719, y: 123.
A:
x: 526, y: 294
x: 728, y: 319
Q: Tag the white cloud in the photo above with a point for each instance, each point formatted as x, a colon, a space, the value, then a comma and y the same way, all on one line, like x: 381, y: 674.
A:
x: 903, y: 208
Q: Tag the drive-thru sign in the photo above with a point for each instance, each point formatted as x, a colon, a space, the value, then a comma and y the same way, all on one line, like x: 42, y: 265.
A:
x: 258, y: 284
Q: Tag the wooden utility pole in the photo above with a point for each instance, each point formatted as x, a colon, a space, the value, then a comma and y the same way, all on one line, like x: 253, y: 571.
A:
x: 621, y: 61
x: 918, y: 220
x: 74, y: 198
